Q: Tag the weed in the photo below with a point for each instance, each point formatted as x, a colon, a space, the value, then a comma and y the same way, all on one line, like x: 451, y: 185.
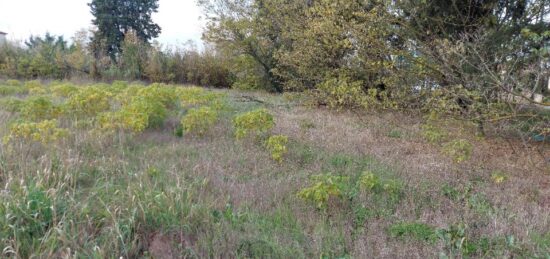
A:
x: 277, y: 146
x: 433, y: 133
x: 370, y: 181
x: 306, y: 124
x: 460, y: 150
x: 542, y: 242
x: 454, y: 239
x: 324, y: 187
x: 480, y: 204
x: 498, y: 177
x: 395, y: 134
x: 417, y: 231
x: 341, y: 161
x: 28, y: 218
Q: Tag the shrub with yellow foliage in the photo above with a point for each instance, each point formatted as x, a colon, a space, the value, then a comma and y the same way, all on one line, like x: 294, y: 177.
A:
x: 89, y: 101
x: 38, y: 108
x: 254, y: 122
x: 277, y: 146
x: 44, y: 132
x: 199, y: 120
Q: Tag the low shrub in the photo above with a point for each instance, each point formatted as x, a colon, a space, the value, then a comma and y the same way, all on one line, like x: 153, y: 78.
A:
x: 277, y: 146
x: 159, y: 92
x: 44, y: 132
x: 38, y: 108
x: 324, y: 187
x: 139, y: 114
x: 371, y: 182
x: 89, y: 101
x: 35, y: 87
x: 199, y: 120
x: 253, y: 123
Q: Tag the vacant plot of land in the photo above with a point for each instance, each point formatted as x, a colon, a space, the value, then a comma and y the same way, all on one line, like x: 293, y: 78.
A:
x: 171, y: 172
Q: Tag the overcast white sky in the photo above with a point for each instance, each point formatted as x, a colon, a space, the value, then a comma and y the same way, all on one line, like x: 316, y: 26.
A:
x: 179, y: 19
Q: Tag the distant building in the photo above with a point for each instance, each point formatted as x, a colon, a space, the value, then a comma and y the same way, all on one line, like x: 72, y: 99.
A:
x: 2, y: 36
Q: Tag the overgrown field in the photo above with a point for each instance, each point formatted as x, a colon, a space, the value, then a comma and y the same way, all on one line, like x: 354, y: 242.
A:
x: 163, y: 171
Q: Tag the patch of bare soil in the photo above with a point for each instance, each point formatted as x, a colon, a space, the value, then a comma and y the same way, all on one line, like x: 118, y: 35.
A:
x: 160, y: 246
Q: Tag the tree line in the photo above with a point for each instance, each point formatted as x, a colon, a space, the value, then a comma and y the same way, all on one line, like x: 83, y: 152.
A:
x: 471, y: 57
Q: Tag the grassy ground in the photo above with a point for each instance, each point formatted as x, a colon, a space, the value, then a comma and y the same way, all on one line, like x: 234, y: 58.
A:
x: 154, y: 194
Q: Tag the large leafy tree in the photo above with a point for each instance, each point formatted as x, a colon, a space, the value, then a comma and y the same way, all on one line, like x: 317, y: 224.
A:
x: 252, y: 31
x: 115, y: 18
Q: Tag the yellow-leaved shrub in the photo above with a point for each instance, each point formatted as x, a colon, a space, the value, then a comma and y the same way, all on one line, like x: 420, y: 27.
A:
x: 277, y: 146
x: 255, y: 122
x: 199, y: 120
x: 89, y: 101
x: 44, y: 132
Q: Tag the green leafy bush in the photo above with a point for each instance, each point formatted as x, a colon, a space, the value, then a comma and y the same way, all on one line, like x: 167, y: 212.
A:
x: 44, y: 132
x: 342, y: 92
x: 37, y: 108
x: 324, y: 187
x: 253, y: 123
x: 136, y: 116
x: 199, y: 120
x: 161, y: 93
x: 89, y: 101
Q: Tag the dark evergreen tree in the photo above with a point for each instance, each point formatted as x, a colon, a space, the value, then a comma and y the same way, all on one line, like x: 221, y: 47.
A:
x: 114, y: 18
